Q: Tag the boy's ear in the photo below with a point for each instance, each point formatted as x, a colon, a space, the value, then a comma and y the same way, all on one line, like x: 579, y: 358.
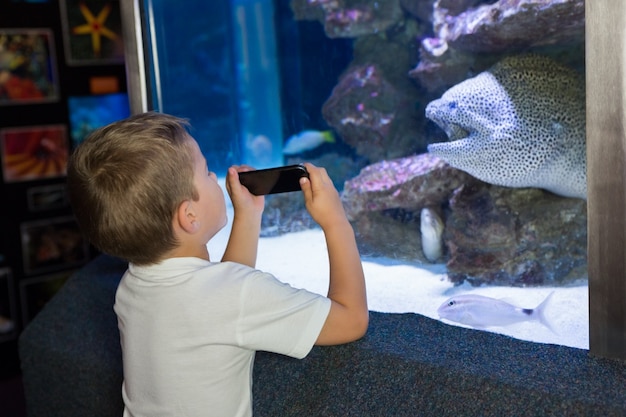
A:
x: 186, y: 217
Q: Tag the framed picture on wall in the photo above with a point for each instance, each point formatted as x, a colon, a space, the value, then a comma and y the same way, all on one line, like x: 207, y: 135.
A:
x: 92, y: 31
x: 88, y: 113
x: 52, y: 245
x: 47, y: 197
x: 28, y: 72
x: 34, y: 152
x: 7, y: 306
x: 36, y: 292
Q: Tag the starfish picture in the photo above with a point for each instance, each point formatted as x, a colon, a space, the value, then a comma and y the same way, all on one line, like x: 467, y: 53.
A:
x: 95, y: 26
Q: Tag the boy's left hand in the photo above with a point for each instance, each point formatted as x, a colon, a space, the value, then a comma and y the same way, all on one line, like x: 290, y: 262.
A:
x: 241, y: 197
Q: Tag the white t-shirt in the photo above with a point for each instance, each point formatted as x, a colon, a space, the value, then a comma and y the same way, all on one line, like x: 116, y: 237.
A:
x: 189, y: 329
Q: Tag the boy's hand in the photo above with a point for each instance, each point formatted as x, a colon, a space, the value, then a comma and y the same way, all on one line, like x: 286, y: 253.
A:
x: 243, y: 200
x: 248, y: 209
x: 321, y: 197
x: 348, y: 317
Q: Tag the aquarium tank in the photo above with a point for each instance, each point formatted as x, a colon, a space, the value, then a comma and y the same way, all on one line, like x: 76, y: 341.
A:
x: 454, y: 131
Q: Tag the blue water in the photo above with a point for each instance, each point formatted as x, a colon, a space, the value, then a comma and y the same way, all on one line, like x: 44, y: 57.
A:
x: 246, y: 75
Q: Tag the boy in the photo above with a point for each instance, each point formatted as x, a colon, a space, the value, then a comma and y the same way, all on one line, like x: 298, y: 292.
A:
x: 189, y: 326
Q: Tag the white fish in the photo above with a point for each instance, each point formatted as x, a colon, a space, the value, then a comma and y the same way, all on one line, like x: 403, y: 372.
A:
x: 431, y: 228
x: 479, y: 311
x: 259, y: 149
x: 307, y: 140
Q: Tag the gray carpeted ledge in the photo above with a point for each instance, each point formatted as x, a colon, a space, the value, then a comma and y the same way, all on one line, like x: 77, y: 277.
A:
x: 406, y: 365
x: 409, y: 365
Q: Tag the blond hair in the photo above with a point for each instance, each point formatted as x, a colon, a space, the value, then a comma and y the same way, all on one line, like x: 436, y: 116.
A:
x: 126, y: 181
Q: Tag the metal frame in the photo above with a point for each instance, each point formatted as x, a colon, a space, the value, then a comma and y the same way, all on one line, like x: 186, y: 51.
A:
x: 605, y: 40
x: 134, y: 52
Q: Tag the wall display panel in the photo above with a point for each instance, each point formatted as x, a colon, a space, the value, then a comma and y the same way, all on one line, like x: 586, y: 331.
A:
x: 92, y: 32
x: 47, y: 197
x: 49, y: 51
x: 88, y: 113
x: 52, y: 244
x: 7, y: 305
x: 28, y: 72
x: 34, y: 152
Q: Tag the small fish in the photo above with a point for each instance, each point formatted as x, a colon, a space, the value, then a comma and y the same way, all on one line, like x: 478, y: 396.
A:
x: 431, y: 228
x: 259, y: 149
x: 307, y: 140
x: 479, y: 311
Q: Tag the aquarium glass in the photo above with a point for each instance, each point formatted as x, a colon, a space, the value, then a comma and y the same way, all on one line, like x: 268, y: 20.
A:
x: 460, y: 159
x: 215, y: 63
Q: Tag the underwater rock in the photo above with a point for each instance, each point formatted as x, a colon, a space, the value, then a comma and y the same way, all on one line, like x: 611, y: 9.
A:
x: 456, y: 7
x: 519, y: 237
x: 423, y: 9
x: 469, y: 39
x: 441, y: 66
x: 350, y: 19
x: 364, y: 108
x: 373, y: 106
x: 409, y: 183
x: 391, y: 233
x: 385, y: 200
x: 352, y: 111
x: 509, y: 25
x: 285, y: 213
x: 492, y: 235
x: 519, y: 124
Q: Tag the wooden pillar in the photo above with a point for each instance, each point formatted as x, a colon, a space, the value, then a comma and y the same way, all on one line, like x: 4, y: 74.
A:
x: 606, y: 175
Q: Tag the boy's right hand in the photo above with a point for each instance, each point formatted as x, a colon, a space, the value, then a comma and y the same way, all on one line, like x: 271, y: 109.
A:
x: 348, y: 316
x: 321, y: 197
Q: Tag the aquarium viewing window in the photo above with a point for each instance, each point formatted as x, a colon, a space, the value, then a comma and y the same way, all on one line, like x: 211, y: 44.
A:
x: 376, y: 95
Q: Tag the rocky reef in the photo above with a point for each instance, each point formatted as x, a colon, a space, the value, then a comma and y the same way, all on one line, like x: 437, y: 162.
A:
x: 493, y: 235
x: 406, y: 54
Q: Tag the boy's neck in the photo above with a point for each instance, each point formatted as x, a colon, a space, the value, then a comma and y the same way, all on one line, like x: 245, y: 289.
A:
x: 184, y: 251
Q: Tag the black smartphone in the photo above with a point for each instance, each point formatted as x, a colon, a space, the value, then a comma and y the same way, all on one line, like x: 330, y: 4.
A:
x: 273, y: 180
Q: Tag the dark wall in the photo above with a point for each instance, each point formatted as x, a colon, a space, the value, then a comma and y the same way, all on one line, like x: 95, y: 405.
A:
x: 45, y: 68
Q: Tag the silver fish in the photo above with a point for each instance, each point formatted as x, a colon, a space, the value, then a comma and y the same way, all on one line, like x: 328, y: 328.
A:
x: 480, y: 312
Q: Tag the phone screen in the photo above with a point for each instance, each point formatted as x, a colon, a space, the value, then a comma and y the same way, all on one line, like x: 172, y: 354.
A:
x: 273, y: 180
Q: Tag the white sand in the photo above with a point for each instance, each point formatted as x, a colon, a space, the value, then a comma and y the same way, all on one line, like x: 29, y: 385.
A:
x: 300, y: 259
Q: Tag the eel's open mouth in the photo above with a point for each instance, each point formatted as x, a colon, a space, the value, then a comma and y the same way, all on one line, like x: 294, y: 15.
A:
x: 440, y: 113
x: 454, y: 131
